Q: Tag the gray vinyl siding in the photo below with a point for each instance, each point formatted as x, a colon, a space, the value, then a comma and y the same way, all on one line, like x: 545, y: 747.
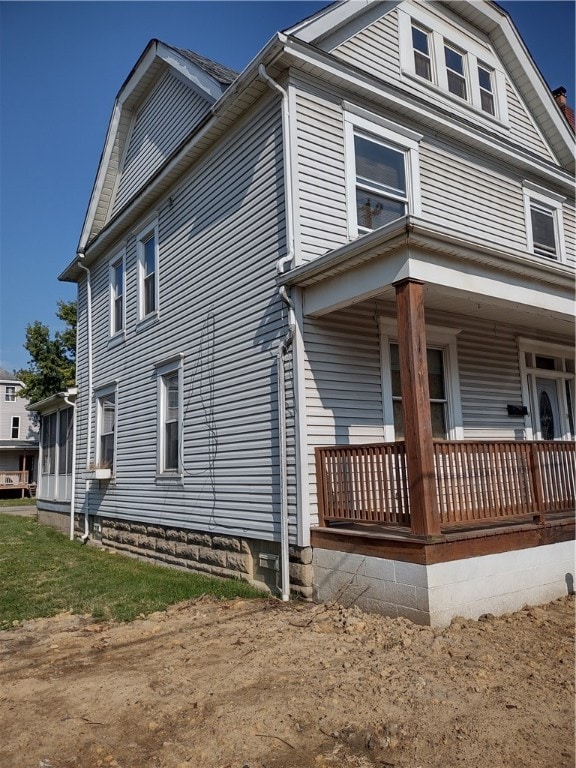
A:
x: 459, y: 190
x: 569, y: 217
x: 321, y: 173
x: 168, y: 115
x: 11, y: 408
x: 343, y: 379
x: 375, y: 49
x: 523, y: 130
x: 219, y: 239
x: 471, y: 195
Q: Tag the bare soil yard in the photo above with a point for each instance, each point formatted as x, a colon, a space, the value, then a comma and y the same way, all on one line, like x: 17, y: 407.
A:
x: 256, y: 684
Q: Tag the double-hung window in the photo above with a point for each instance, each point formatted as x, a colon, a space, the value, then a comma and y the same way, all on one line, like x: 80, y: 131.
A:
x: 422, y: 58
x: 15, y: 431
x: 10, y: 394
x: 486, y: 84
x: 148, y: 271
x: 443, y: 382
x: 170, y: 416
x: 455, y: 71
x: 382, y: 171
x: 544, y: 222
x: 106, y: 427
x: 117, y: 291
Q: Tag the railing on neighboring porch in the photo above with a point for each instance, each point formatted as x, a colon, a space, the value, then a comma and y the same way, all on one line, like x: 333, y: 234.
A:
x: 475, y: 482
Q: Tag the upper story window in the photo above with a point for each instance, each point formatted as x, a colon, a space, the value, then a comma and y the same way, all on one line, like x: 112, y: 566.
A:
x: 421, y: 46
x: 544, y: 222
x: 455, y: 72
x: 382, y: 173
x: 454, y: 62
x: 117, y: 296
x: 148, y: 271
x: 15, y: 432
x: 10, y: 394
x: 486, y: 83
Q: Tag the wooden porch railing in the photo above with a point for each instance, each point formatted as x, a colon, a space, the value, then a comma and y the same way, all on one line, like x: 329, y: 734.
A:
x: 475, y: 482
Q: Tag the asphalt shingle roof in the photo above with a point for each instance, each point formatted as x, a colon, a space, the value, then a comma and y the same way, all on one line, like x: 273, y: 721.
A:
x: 219, y: 72
x: 6, y: 376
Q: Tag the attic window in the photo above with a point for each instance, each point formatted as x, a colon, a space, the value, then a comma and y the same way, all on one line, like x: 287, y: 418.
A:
x: 455, y: 72
x: 421, y: 45
x: 457, y: 65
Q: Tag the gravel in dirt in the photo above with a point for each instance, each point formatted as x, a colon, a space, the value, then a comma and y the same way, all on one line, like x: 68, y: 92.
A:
x: 261, y: 684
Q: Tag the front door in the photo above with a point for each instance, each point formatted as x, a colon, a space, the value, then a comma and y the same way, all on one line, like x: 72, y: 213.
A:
x: 548, y: 424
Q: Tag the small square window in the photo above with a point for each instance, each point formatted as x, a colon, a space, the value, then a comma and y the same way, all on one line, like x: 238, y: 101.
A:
x: 544, y: 221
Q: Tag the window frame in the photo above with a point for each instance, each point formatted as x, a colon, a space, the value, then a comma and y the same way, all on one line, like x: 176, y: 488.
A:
x: 358, y: 122
x: 151, y: 230
x: 15, y: 425
x: 118, y: 260
x: 554, y: 203
x: 165, y: 371
x: 100, y: 395
x: 10, y: 393
x: 437, y: 337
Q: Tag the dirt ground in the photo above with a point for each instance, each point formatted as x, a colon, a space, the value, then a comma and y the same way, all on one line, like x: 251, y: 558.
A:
x: 264, y: 685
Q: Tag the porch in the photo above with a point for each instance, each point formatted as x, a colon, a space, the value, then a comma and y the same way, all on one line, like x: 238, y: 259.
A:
x: 17, y: 481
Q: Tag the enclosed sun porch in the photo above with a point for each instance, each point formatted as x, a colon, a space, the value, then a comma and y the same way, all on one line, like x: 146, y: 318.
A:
x: 439, y: 382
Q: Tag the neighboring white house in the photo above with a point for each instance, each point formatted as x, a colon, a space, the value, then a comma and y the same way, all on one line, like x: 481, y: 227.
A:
x: 325, y: 315
x: 18, y: 438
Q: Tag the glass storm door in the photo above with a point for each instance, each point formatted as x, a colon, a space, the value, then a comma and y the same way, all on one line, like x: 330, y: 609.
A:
x: 548, y: 421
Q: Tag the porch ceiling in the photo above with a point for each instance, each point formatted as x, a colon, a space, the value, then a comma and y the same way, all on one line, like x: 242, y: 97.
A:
x: 468, y: 277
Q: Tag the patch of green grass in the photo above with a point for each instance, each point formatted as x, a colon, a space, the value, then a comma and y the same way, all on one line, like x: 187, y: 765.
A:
x: 18, y: 502
x: 42, y: 573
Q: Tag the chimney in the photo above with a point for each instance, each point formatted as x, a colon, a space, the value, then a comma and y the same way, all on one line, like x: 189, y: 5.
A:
x: 560, y: 99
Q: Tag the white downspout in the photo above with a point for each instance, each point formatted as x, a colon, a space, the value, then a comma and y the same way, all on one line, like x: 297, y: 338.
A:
x: 287, y: 341
x: 73, y: 495
x: 86, y: 534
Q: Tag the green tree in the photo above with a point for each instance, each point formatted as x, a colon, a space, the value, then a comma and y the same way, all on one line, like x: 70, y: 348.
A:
x: 52, y: 366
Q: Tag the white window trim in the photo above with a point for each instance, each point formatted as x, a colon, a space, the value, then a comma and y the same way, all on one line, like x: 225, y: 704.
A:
x: 163, y: 369
x: 100, y: 393
x: 437, y: 336
x: 119, y: 257
x: 15, y: 424
x: 551, y: 200
x: 528, y: 375
x: 441, y: 32
x: 10, y: 394
x: 356, y: 121
x: 145, y: 232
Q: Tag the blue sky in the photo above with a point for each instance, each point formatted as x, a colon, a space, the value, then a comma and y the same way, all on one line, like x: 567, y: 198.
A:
x: 61, y: 65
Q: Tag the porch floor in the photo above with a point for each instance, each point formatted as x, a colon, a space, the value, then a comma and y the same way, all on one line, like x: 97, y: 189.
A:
x: 454, y: 542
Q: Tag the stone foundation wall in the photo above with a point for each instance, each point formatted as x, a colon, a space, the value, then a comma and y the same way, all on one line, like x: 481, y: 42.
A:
x: 211, y: 554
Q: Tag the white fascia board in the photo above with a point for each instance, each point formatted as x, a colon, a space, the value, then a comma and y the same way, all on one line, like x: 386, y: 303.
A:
x: 328, y: 19
x: 201, y: 79
x: 100, y: 175
x: 370, y: 279
x: 425, y: 113
x: 134, y: 78
x: 53, y: 401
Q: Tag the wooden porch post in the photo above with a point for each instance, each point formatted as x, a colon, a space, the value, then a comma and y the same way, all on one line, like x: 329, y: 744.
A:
x: 424, y: 515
